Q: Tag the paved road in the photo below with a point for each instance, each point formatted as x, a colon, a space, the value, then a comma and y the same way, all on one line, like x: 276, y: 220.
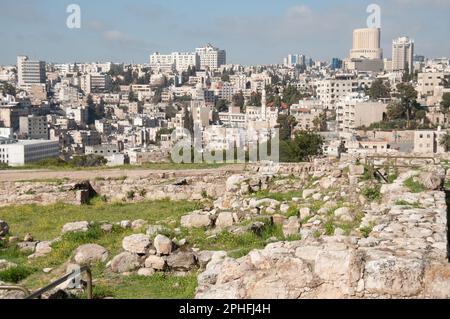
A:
x: 37, y: 174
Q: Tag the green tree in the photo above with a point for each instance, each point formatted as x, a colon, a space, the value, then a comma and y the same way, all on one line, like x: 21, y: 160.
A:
x: 99, y: 110
x: 239, y: 99
x: 221, y: 105
x: 132, y: 97
x: 7, y: 88
x: 171, y: 111
x: 304, y: 147
x: 255, y: 99
x: 286, y: 124
x: 407, y: 95
x: 395, y: 111
x: 445, y: 104
x: 379, y: 90
x: 445, y: 141
x: 320, y: 122
x: 91, y: 117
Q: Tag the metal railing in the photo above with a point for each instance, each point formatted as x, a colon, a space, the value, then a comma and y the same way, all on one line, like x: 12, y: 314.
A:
x: 56, y: 283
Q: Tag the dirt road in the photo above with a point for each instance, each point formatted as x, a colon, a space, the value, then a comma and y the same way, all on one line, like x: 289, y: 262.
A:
x: 37, y: 174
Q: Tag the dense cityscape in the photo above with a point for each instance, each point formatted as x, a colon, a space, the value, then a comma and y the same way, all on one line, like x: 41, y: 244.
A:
x: 129, y: 114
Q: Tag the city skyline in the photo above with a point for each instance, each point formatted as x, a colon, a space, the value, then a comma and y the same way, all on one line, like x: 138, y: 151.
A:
x: 243, y: 29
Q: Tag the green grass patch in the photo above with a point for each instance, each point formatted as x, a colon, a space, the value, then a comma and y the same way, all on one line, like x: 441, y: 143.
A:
x: 237, y: 244
x: 158, y: 286
x: 414, y: 186
x: 372, y: 193
x: 45, y: 222
x: 406, y: 203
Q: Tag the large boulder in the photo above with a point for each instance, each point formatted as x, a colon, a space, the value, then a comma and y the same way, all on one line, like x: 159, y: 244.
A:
x: 27, y: 246
x: 181, y: 261
x: 4, y: 228
x: 82, y: 226
x: 163, y: 245
x: 42, y: 249
x: 137, y: 243
x: 90, y: 254
x: 225, y: 219
x: 195, y: 220
x: 125, y: 262
x: 394, y: 276
x: 155, y: 262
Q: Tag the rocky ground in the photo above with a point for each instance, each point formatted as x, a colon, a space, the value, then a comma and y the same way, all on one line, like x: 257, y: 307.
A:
x: 319, y: 230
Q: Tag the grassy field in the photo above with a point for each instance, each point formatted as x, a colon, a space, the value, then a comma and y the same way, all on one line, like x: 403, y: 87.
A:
x: 45, y: 223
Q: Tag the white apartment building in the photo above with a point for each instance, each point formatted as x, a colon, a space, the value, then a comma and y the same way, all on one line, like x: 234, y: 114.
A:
x: 180, y: 61
x: 95, y: 83
x: 30, y: 72
x: 21, y: 152
x: 211, y: 58
x: 33, y: 127
x: 403, y: 54
x: 428, y: 142
x: 330, y: 91
x: 355, y: 110
x: 223, y: 90
x: 428, y: 81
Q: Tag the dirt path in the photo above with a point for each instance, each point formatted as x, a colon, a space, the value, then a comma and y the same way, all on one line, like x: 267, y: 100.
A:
x: 25, y: 175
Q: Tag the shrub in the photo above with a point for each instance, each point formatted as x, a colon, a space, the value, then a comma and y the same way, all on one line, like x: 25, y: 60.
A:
x: 130, y: 195
x: 15, y: 274
x: 142, y: 192
x: 372, y: 193
x: 365, y: 231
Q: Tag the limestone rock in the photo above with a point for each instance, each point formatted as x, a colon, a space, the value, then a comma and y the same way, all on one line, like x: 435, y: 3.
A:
x: 196, y: 220
x: 233, y: 183
x: 343, y: 214
x: 394, y: 276
x: 305, y: 212
x: 163, y: 245
x: 137, y: 224
x: 431, y: 180
x: 183, y: 261
x: 356, y: 170
x: 90, y: 254
x: 75, y: 227
x: 42, y: 249
x: 125, y: 262
x: 291, y: 226
x: 155, y: 262
x: 225, y: 220
x: 137, y: 243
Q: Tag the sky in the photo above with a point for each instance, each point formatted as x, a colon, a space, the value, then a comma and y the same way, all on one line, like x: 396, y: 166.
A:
x: 251, y: 31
